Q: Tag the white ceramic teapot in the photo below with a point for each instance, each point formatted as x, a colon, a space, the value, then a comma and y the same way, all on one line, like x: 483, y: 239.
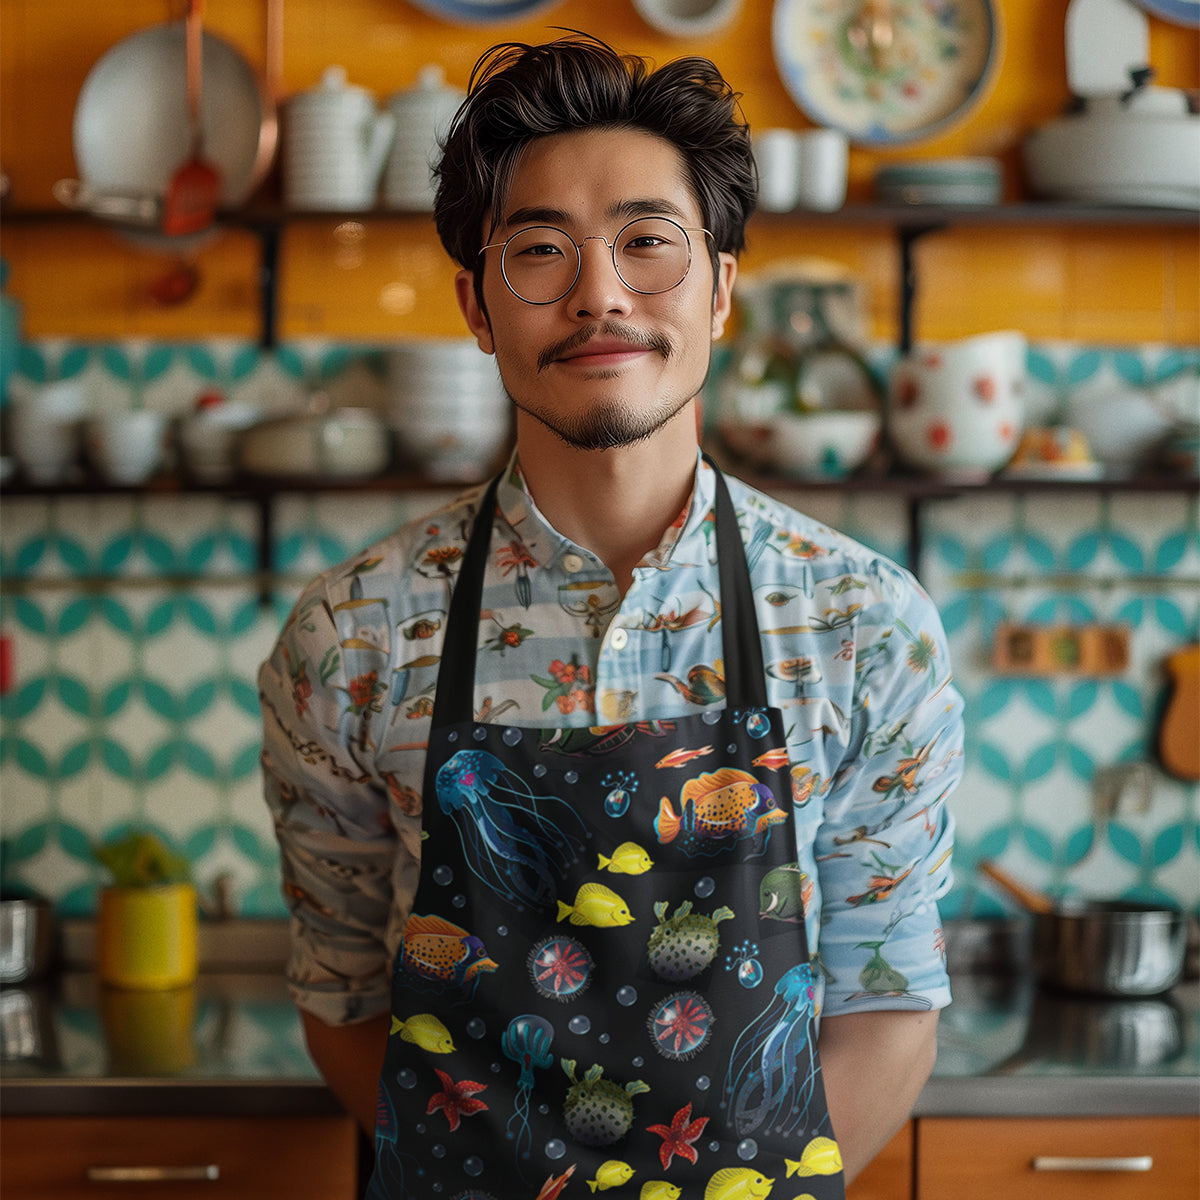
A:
x: 423, y: 114
x: 335, y: 146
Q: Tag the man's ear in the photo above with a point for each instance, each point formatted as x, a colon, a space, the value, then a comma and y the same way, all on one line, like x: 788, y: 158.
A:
x: 473, y: 312
x: 723, y: 293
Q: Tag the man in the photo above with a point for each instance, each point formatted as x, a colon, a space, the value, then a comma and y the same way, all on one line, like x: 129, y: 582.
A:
x: 623, y: 780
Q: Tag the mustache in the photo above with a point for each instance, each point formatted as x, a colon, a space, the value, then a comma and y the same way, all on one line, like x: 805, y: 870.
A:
x: 607, y: 329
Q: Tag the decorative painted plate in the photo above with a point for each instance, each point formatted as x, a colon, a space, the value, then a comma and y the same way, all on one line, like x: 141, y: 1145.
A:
x: 1182, y: 12
x: 483, y: 12
x: 886, y: 72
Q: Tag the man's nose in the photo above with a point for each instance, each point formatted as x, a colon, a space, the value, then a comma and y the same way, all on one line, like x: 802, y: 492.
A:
x: 599, y: 290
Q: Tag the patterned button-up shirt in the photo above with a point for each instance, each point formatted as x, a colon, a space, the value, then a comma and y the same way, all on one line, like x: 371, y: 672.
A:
x: 855, y: 657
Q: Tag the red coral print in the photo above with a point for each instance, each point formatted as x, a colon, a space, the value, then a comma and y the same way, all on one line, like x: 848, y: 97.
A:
x: 362, y: 690
x: 985, y: 388
x: 679, y: 1136
x: 456, y: 1100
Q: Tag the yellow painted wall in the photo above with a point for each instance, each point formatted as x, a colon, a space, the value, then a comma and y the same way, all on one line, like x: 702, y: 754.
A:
x: 391, y: 278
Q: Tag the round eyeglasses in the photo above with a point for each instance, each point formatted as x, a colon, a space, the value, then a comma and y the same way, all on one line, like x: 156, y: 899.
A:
x: 541, y: 264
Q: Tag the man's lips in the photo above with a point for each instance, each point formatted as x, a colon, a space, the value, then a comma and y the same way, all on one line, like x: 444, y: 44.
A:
x: 603, y: 351
x: 610, y: 345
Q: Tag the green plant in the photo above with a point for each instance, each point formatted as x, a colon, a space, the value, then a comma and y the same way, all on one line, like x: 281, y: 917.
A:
x: 141, y: 860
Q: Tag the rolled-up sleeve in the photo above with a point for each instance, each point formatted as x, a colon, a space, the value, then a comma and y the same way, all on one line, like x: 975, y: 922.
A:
x: 883, y: 848
x: 338, y: 843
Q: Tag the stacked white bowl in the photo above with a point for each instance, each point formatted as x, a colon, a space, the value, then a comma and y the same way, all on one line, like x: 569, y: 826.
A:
x: 335, y: 145
x: 448, y: 408
x: 422, y: 115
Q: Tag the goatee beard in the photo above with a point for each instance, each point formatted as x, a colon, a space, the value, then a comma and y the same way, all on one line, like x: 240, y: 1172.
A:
x: 606, y: 426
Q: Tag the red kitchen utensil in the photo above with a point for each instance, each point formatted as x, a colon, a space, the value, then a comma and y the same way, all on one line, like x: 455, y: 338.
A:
x: 190, y: 203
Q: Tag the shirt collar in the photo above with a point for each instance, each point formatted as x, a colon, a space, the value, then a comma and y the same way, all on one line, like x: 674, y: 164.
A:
x: 691, y: 530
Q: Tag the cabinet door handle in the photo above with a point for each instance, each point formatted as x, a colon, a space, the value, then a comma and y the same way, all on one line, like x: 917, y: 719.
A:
x: 1050, y: 1162
x: 153, y: 1174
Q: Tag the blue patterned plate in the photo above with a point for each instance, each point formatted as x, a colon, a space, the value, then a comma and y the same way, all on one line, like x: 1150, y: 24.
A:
x: 483, y: 12
x: 1182, y: 12
x: 886, y: 73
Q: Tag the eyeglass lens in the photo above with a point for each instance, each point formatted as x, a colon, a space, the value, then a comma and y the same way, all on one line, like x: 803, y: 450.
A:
x: 541, y: 264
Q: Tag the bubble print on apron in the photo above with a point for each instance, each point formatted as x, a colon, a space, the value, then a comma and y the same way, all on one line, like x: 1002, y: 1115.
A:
x: 604, y: 986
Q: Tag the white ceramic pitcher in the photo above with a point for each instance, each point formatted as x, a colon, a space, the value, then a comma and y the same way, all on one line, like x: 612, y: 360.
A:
x: 335, y: 146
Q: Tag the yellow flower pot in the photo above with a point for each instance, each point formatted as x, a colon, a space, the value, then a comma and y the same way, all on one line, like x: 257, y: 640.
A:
x: 146, y: 936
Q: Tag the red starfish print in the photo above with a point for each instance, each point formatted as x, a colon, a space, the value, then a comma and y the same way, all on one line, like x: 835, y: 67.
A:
x: 455, y: 1100
x: 678, y: 1136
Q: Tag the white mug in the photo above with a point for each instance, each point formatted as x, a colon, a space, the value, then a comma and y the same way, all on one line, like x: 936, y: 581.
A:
x: 127, y: 447
x: 804, y: 168
x: 824, y: 155
x: 46, y: 430
x: 777, y: 153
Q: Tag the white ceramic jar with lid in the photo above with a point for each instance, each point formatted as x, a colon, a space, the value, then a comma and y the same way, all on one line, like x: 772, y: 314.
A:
x: 335, y: 146
x: 422, y: 114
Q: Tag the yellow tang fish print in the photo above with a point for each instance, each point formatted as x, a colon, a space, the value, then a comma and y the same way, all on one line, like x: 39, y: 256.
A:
x: 659, y: 1189
x: 426, y: 1031
x: 611, y: 1174
x: 738, y: 1183
x: 821, y: 1157
x: 596, y: 905
x: 627, y: 859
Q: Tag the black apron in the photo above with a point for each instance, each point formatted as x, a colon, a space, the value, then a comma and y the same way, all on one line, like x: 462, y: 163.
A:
x: 604, y: 985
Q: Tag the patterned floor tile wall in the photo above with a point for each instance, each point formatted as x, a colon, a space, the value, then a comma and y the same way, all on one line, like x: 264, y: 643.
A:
x: 137, y: 625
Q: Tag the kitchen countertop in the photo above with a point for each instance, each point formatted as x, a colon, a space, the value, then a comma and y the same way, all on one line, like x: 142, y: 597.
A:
x: 232, y: 1045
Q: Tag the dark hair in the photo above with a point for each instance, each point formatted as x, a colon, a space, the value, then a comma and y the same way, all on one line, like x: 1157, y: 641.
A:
x: 519, y: 93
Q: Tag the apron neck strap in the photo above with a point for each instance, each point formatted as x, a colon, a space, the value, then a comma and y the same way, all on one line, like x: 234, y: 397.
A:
x: 745, y: 677
x: 745, y: 674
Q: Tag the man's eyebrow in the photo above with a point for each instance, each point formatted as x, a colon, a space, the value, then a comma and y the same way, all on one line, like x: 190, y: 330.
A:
x: 641, y: 206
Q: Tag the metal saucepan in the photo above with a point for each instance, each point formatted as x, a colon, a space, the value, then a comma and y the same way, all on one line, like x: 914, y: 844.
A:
x: 27, y: 937
x: 131, y: 127
x: 1101, y: 947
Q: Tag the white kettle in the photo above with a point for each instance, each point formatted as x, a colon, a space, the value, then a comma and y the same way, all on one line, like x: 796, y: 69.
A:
x: 335, y: 145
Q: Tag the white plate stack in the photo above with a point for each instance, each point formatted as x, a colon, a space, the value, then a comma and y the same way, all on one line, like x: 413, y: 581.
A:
x: 422, y: 115
x: 449, y: 411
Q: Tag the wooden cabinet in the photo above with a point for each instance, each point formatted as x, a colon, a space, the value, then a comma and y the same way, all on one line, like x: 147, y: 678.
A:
x: 1097, y: 1158
x: 163, y: 1158
x: 889, y: 1176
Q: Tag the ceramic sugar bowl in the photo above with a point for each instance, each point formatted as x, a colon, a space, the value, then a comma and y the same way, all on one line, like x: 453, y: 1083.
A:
x: 956, y: 408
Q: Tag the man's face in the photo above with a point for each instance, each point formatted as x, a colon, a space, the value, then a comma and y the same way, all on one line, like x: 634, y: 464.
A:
x: 604, y: 366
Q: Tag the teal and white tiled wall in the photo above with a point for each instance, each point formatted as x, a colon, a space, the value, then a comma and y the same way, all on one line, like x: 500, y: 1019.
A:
x: 136, y: 627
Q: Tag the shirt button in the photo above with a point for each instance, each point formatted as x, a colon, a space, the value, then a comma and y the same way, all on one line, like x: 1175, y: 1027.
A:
x: 619, y: 639
x: 572, y: 563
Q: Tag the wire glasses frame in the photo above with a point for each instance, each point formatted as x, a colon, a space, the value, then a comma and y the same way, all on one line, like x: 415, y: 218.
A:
x: 645, y: 252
